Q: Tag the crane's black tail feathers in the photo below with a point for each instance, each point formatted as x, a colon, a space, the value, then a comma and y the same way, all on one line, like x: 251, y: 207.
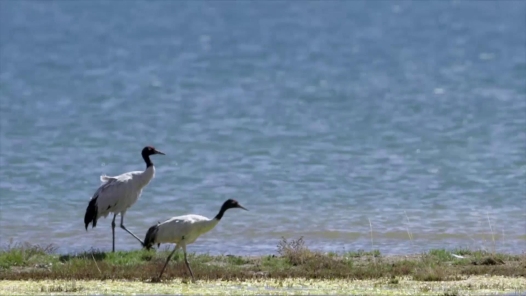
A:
x: 91, y: 213
x: 151, y: 236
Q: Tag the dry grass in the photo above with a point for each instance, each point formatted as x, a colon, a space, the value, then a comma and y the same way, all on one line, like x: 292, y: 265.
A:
x: 295, y: 260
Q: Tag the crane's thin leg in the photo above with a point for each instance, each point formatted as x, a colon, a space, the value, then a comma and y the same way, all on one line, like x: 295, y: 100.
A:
x: 124, y: 227
x: 187, y: 264
x: 113, y: 232
x: 168, y: 260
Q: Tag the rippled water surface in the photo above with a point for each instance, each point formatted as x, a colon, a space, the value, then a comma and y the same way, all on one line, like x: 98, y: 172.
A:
x: 325, y: 119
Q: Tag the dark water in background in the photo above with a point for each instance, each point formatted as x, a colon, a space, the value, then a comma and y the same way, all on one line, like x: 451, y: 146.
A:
x: 317, y: 116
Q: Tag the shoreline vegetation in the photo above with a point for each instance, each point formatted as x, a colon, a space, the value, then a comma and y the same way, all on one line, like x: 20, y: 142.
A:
x: 26, y: 268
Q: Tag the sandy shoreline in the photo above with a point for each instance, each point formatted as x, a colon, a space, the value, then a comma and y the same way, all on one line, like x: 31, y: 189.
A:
x: 473, y: 285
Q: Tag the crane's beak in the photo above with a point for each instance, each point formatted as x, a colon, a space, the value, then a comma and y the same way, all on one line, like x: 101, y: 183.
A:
x: 240, y: 206
x: 159, y: 152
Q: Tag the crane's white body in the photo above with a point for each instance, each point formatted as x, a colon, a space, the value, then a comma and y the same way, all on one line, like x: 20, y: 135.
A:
x: 118, y: 193
x: 186, y: 228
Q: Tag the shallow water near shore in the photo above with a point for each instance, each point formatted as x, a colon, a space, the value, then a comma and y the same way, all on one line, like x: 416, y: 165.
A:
x: 396, y: 126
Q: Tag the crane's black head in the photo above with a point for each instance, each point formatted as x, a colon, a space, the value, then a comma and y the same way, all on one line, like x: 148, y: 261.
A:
x: 229, y: 204
x: 146, y: 152
x: 150, y: 150
x: 232, y: 203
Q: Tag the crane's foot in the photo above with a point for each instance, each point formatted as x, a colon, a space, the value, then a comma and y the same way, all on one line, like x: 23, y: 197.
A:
x: 155, y: 279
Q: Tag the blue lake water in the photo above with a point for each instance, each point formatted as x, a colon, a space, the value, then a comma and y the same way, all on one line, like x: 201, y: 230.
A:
x: 325, y: 119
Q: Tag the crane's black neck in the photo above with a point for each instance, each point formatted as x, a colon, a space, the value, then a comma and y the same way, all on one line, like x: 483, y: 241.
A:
x: 147, y: 159
x: 221, y: 212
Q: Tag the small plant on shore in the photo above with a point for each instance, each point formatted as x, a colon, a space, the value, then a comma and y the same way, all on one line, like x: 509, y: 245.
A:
x: 294, y: 251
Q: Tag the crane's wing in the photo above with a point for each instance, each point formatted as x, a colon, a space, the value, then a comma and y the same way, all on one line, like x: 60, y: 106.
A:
x: 113, y: 195
x: 106, y: 178
x: 111, y: 192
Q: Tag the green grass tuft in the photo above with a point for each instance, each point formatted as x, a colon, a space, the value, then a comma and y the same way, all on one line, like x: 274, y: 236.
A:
x: 362, y: 253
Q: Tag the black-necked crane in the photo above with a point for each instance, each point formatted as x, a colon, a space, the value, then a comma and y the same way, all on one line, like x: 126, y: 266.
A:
x: 184, y: 230
x: 117, y: 194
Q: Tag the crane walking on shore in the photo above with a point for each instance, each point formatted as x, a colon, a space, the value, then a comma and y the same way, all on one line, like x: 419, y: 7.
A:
x: 117, y: 194
x: 184, y: 230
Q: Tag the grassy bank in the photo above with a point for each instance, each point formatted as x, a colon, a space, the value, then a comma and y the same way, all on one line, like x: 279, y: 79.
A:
x: 41, y: 270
